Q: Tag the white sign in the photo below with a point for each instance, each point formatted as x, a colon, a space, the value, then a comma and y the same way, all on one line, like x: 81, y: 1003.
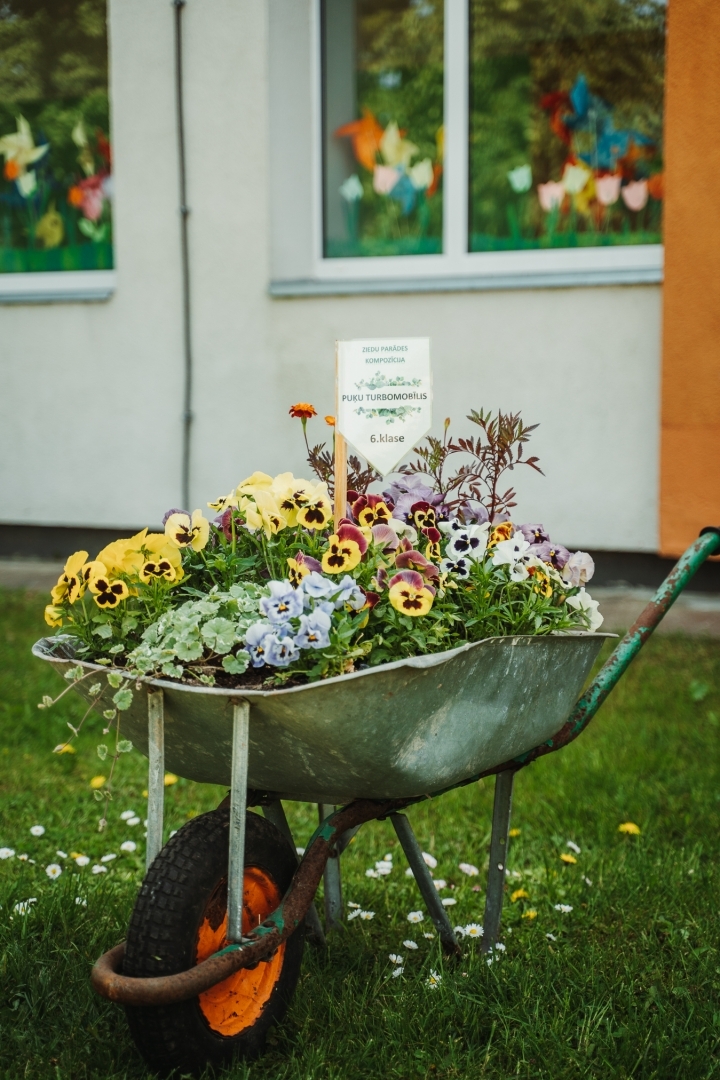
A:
x: 384, y: 397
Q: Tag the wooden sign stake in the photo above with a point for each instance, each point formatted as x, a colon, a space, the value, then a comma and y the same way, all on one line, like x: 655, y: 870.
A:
x: 340, y: 456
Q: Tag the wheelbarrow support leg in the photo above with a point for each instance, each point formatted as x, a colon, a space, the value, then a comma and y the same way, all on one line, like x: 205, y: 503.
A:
x: 332, y: 880
x: 498, y: 858
x: 429, y: 893
x: 275, y: 814
x: 156, y: 775
x: 238, y: 807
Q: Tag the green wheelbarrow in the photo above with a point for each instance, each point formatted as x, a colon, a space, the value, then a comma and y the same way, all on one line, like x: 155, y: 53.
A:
x: 216, y: 938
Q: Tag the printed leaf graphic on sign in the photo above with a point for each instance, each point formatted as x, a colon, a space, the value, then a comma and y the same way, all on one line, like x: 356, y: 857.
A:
x: 384, y: 397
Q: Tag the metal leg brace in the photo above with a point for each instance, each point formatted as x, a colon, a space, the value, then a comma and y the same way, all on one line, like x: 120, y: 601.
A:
x: 429, y: 893
x: 156, y: 775
x: 498, y: 858
x: 332, y: 881
x: 238, y: 807
x: 275, y: 814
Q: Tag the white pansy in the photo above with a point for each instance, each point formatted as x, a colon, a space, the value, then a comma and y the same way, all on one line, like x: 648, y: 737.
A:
x: 579, y: 568
x: 509, y: 552
x: 582, y: 601
x: 457, y: 567
x: 469, y: 542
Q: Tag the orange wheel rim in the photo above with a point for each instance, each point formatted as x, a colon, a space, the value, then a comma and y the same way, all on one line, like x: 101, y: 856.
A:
x: 237, y: 1003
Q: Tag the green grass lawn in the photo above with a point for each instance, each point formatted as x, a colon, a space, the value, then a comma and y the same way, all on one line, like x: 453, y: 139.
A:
x: 626, y: 984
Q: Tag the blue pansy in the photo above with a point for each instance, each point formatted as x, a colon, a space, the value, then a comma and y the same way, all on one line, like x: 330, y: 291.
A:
x: 281, y: 651
x: 314, y: 632
x: 256, y: 642
x: 283, y: 603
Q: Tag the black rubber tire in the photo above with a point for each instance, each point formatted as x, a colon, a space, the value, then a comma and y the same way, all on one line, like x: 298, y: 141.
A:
x: 162, y: 937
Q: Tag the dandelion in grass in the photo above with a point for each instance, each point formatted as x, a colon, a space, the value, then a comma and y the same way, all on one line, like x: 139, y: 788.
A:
x: 133, y: 821
x: 630, y: 828
x: 473, y: 930
x: 366, y: 915
x: 514, y: 833
x: 433, y: 980
x: 440, y: 883
x: 429, y: 936
x: 429, y: 860
x: 6, y: 852
x: 551, y: 937
x: 128, y: 846
x: 54, y: 870
x: 531, y: 913
x: 519, y: 894
x: 397, y: 972
x: 170, y: 779
x: 415, y: 916
x: 410, y: 944
x: 61, y: 854
x: 469, y: 869
x: 448, y: 901
x: 97, y: 782
x: 127, y: 814
x: 109, y: 857
x: 569, y: 859
x: 37, y: 830
x: 573, y: 846
x: 82, y: 860
x: 23, y: 906
x: 98, y: 869
x: 565, y: 909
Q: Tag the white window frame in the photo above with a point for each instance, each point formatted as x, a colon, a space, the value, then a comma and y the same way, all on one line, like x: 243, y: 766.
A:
x: 456, y: 268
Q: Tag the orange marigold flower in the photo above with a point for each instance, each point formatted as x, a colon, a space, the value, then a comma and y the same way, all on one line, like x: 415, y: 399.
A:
x: 75, y: 195
x: 330, y: 421
x: 303, y: 410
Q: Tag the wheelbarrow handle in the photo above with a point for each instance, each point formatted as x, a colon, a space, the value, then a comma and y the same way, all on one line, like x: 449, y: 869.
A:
x: 707, y: 544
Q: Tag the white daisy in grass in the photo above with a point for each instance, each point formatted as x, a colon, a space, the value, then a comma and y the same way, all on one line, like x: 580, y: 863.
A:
x: 128, y: 846
x: 440, y: 883
x: 459, y: 931
x: 415, y: 916
x: 388, y: 857
x: 54, y: 870
x: 589, y: 882
x: 366, y: 915
x: 564, y: 908
x: 469, y: 869
x: 409, y: 872
x: 300, y: 851
x: 353, y: 915
x: 410, y: 944
x: 499, y: 947
x: 109, y: 857
x: 398, y: 971
x: 573, y: 846
x: 551, y: 937
x: 449, y: 901
x: 384, y: 867
x: 80, y: 901
x: 37, y: 830
x: 98, y: 869
x: 372, y: 873
x: 429, y: 860
x: 23, y: 858
x: 134, y: 820
x: 127, y: 814
x: 351, y: 903
x: 433, y: 980
x: 473, y: 930
x: 23, y: 906
x: 395, y: 958
x: 82, y: 860
x: 173, y: 833
x: 6, y: 852
x: 429, y: 936
x: 61, y: 854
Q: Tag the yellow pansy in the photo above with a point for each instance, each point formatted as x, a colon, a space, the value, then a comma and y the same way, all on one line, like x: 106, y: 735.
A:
x: 53, y: 615
x: 259, y: 481
x: 262, y: 512
x: 108, y: 593
x: 157, y: 569
x: 71, y: 583
x: 318, y: 512
x: 188, y: 531
x: 224, y: 502
x: 341, y: 555
x: 123, y: 555
x: 296, y: 572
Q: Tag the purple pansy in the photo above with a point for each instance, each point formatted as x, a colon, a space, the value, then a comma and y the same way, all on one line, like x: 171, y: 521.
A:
x: 555, y: 554
x: 535, y: 534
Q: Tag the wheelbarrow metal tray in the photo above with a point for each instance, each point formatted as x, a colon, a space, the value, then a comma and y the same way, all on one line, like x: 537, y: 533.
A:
x: 395, y: 731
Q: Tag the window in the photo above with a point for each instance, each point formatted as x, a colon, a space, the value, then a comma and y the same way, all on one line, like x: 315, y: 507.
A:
x: 455, y: 144
x: 56, y: 185
x: 566, y: 112
x: 383, y: 127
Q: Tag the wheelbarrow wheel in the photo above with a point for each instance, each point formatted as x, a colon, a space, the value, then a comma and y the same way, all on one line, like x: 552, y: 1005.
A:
x: 180, y: 918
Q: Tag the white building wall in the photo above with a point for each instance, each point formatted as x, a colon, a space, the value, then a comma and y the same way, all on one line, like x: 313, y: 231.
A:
x: 91, y: 395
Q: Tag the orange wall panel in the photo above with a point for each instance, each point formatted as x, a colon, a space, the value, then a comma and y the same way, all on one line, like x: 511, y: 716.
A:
x: 690, y: 439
